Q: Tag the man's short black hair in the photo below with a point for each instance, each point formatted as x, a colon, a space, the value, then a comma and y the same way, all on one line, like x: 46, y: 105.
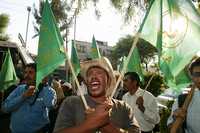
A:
x: 194, y: 63
x: 32, y: 65
x: 133, y: 76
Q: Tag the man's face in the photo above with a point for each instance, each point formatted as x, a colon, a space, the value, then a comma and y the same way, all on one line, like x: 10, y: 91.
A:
x: 196, y: 76
x: 130, y: 85
x: 97, y: 82
x: 29, y: 75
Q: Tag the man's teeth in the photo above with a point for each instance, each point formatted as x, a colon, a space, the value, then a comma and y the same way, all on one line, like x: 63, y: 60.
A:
x: 94, y: 87
x: 95, y: 83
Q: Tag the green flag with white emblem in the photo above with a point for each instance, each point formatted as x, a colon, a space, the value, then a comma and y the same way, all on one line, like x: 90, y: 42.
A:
x: 173, y: 27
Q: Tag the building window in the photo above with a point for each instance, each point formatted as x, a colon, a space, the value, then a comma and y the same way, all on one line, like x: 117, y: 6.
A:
x: 104, y: 53
x: 83, y: 49
x: 78, y: 48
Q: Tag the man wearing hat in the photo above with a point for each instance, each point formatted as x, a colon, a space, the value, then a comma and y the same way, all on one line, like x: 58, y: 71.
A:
x: 105, y: 115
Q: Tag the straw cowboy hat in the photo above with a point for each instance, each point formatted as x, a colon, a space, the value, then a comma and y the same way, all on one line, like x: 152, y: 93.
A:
x: 103, y: 63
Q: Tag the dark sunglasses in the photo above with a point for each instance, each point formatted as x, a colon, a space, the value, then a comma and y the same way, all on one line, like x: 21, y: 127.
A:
x: 196, y: 74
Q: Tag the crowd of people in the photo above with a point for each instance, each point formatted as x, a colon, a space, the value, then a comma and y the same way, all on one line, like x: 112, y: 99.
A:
x: 58, y: 107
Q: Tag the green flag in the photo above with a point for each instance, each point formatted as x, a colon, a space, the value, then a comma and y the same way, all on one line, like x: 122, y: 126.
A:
x: 8, y: 76
x: 173, y: 27
x: 94, y: 52
x: 134, y: 64
x: 50, y: 50
x: 74, y: 59
x: 180, y: 82
x: 122, y: 61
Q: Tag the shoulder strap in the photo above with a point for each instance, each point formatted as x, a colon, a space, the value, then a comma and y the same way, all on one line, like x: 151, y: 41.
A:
x: 40, y: 87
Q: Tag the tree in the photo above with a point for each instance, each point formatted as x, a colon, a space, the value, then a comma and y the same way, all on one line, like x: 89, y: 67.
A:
x: 198, y: 4
x: 155, y: 84
x: 4, y: 20
x: 146, y: 50
x: 128, y: 7
x: 64, y: 12
x: 57, y: 8
x: 63, y: 9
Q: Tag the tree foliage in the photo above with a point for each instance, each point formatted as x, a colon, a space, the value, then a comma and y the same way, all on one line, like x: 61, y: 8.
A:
x: 128, y: 7
x: 123, y: 46
x: 155, y: 84
x: 4, y: 20
x: 64, y: 11
x: 58, y: 8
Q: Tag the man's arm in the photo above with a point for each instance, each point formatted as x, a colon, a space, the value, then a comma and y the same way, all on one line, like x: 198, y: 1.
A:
x: 122, y: 120
x: 94, y: 120
x: 83, y: 128
x: 175, y: 113
x: 150, y: 110
x: 111, y: 128
x: 171, y: 117
x: 49, y: 96
x: 16, y: 98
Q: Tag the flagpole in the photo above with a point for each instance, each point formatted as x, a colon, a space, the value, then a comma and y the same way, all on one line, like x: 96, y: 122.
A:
x: 126, y: 63
x: 78, y: 86
x: 148, y: 84
x: 130, y: 52
x: 76, y: 81
x: 72, y: 69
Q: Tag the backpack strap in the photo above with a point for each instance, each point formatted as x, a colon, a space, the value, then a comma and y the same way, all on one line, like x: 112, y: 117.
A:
x: 40, y: 87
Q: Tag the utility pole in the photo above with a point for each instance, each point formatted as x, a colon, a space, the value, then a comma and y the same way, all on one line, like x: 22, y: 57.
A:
x: 75, y: 25
x: 29, y: 10
x: 66, y: 42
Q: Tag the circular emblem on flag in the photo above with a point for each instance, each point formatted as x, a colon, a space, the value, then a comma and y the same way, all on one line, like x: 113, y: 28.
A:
x: 175, y: 27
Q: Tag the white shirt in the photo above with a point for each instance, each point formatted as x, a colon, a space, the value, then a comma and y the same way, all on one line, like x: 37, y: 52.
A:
x: 150, y: 117
x: 193, y: 112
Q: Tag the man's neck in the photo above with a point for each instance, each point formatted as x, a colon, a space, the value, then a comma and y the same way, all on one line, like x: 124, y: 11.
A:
x: 99, y: 99
x: 133, y: 91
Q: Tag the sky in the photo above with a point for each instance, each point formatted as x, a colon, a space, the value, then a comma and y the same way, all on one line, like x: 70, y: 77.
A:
x: 108, y: 28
